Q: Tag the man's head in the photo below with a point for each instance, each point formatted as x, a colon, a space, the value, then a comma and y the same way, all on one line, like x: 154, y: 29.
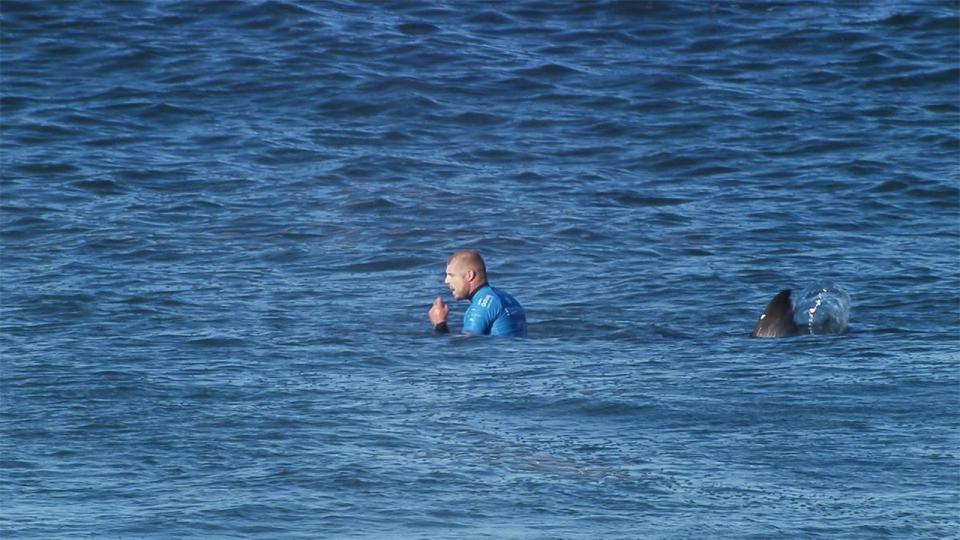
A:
x: 465, y: 273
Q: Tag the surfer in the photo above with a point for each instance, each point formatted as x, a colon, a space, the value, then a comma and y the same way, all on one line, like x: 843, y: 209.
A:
x: 491, y: 311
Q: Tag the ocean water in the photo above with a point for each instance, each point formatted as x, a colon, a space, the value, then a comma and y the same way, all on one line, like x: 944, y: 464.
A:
x: 223, y: 223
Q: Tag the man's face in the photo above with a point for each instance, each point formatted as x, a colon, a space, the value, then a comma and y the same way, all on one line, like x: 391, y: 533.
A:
x: 457, y: 280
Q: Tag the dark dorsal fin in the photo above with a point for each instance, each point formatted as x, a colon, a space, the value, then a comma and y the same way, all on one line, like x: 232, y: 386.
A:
x: 777, y: 319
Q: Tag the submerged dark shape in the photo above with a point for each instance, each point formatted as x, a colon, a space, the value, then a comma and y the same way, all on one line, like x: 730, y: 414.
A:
x: 777, y: 319
x: 819, y: 309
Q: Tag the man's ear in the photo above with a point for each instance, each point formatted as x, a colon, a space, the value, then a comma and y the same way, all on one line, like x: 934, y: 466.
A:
x: 471, y: 275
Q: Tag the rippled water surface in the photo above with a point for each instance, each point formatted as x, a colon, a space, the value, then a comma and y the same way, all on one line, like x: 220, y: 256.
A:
x: 223, y: 223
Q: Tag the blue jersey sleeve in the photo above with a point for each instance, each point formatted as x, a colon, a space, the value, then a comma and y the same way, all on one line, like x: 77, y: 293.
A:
x: 479, y: 317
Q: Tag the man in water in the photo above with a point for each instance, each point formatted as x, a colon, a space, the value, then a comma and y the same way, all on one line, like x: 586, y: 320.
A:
x: 491, y: 312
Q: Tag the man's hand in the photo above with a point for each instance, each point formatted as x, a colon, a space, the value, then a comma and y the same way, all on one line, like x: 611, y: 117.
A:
x: 438, y: 312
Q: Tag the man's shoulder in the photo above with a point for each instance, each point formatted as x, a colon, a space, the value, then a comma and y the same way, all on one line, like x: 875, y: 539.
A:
x: 504, y: 297
x: 486, y: 298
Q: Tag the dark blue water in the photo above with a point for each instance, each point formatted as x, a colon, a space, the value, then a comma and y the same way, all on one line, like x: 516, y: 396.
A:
x: 223, y: 223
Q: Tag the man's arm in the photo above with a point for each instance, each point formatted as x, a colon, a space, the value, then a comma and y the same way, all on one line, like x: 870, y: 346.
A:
x: 478, y: 319
x: 438, y: 316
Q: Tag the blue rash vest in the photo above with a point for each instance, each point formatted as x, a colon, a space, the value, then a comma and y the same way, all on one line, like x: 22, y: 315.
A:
x: 496, y: 313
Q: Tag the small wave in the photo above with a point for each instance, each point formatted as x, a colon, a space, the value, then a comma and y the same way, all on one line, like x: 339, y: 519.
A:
x: 667, y: 161
x: 590, y: 151
x: 100, y: 187
x: 136, y: 60
x: 476, y: 119
x: 922, y: 20
x: 846, y: 38
x: 548, y: 71
x: 27, y: 227
x: 488, y: 155
x: 351, y: 107
x: 216, y: 342
x: 114, y: 142
x: 712, y: 170
x: 376, y: 203
x: 45, y: 168
x: 387, y: 265
x: 634, y: 199
x: 16, y: 464
x: 582, y: 233
x: 875, y: 59
x: 673, y: 83
x: 283, y: 256
x: 417, y: 29
x: 269, y: 15
x: 490, y: 18
x: 49, y: 131
x: 890, y: 186
x: 918, y: 79
x: 167, y: 112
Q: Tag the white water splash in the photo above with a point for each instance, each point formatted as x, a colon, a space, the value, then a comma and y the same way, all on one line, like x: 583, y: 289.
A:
x: 822, y: 309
